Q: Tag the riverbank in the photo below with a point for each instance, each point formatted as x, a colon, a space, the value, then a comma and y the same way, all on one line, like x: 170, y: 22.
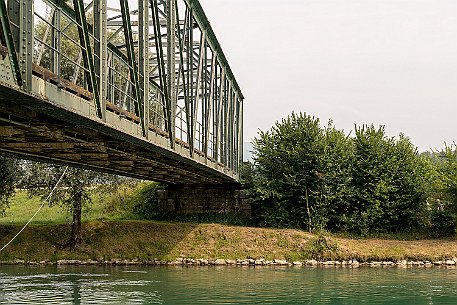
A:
x: 157, y: 243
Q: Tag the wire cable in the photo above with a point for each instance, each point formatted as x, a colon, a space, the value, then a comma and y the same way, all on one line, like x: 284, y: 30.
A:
x: 39, y: 209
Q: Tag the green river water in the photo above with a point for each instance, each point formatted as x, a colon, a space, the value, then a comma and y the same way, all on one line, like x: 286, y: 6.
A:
x: 226, y: 285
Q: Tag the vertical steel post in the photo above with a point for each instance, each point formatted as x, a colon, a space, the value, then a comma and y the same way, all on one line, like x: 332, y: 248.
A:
x: 235, y: 133
x: 224, y: 123
x: 143, y: 56
x: 239, y: 128
x: 219, y: 112
x: 190, y: 76
x: 56, y: 43
x: 171, y: 67
x: 87, y: 52
x: 209, y: 104
x: 198, y: 81
x: 101, y: 52
x: 230, y: 128
x: 204, y: 95
x: 10, y: 44
x: 217, y: 78
x: 26, y: 42
x: 133, y: 68
x: 181, y: 41
x: 162, y: 74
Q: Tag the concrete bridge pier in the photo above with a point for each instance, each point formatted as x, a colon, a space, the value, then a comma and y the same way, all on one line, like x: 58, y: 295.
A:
x: 203, y: 198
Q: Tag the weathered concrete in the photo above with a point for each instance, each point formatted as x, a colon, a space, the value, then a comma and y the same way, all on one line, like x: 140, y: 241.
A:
x: 205, y: 199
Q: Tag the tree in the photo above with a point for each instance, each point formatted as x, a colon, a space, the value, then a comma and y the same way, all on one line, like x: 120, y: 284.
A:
x: 449, y: 175
x: 9, y: 176
x: 318, y: 178
x: 388, y: 178
x: 442, y: 196
x: 72, y: 193
x: 287, y: 171
x: 335, y: 189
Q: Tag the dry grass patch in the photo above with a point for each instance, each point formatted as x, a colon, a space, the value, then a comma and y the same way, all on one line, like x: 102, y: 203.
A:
x: 380, y: 249
x: 220, y: 241
x: 148, y: 240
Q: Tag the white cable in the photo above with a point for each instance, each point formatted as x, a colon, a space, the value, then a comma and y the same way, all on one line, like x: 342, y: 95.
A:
x: 41, y: 206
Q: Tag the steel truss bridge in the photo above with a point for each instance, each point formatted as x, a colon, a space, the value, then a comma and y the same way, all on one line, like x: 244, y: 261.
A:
x: 137, y: 88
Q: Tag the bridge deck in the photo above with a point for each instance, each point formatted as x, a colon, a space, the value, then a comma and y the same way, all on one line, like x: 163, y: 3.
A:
x: 33, y: 128
x: 142, y: 92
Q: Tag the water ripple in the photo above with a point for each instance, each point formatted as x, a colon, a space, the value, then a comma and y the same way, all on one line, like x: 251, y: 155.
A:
x: 209, y: 285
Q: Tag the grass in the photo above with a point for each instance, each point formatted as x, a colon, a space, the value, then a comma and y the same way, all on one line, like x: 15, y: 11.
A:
x: 111, y: 235
x: 151, y: 240
x: 147, y: 240
x: 22, y: 209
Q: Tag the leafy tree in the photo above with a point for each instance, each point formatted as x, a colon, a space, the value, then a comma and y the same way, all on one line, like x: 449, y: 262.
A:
x: 72, y: 193
x: 449, y: 175
x: 388, y: 178
x: 287, y: 172
x: 443, y: 190
x: 319, y: 178
x: 9, y: 175
x: 335, y: 189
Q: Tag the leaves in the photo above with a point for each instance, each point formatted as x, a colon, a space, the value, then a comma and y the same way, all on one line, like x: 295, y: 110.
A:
x: 9, y: 175
x: 318, y: 178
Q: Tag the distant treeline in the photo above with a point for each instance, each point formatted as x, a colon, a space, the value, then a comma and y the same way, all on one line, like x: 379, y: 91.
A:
x: 318, y: 178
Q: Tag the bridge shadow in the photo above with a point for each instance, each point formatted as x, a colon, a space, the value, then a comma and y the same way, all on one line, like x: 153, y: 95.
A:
x: 145, y: 240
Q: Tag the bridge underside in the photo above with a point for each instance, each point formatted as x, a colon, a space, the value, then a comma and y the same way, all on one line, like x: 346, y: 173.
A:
x: 32, y: 128
x: 144, y: 92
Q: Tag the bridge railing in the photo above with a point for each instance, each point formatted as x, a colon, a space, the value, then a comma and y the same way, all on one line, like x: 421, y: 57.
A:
x: 56, y: 45
x: 159, y: 64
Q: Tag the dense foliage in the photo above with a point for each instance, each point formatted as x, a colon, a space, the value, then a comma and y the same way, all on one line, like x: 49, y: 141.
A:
x: 443, y: 190
x: 388, y: 178
x: 9, y: 176
x: 317, y: 178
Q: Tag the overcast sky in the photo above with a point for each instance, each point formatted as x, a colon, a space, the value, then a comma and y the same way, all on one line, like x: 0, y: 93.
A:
x: 389, y: 62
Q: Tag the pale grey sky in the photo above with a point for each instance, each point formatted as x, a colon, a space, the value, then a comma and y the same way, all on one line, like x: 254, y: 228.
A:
x: 389, y: 62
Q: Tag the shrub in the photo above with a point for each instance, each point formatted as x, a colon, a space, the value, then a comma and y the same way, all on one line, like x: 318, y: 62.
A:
x: 144, y: 203
x: 388, y: 179
x: 443, y: 223
x: 320, y: 179
x: 321, y: 248
x: 286, y: 172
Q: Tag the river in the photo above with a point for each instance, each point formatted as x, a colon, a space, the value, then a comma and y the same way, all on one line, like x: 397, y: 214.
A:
x: 226, y: 285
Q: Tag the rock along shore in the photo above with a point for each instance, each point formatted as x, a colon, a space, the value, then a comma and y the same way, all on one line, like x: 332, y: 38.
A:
x: 449, y: 263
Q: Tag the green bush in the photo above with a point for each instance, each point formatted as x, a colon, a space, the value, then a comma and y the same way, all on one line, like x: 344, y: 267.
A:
x: 388, y: 179
x: 287, y: 171
x: 443, y: 191
x: 318, y: 178
x: 10, y: 173
x: 144, y: 203
x: 443, y: 223
x: 321, y: 248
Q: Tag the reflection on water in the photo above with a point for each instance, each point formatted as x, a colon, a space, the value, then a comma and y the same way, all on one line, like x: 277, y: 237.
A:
x: 225, y: 285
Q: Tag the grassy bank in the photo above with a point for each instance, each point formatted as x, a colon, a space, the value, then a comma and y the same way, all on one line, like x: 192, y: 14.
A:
x: 112, y: 236
x: 148, y: 240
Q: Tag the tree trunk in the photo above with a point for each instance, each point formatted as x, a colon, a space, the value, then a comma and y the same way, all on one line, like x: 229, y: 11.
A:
x: 76, y: 232
x: 309, y: 213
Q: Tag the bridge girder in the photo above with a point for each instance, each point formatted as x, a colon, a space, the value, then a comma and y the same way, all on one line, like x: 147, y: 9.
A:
x: 158, y: 66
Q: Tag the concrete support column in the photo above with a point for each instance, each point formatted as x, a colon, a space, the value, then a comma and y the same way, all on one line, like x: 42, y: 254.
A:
x: 188, y: 200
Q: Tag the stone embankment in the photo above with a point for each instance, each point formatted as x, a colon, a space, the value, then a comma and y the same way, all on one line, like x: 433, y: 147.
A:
x: 239, y: 262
